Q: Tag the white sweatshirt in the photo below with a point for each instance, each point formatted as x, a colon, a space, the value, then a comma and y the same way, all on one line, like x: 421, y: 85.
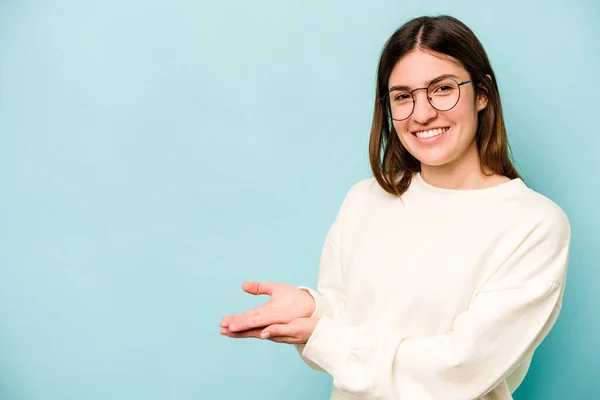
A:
x: 440, y: 294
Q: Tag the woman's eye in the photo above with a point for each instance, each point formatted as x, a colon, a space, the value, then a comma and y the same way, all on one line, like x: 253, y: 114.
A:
x: 444, y: 88
x: 403, y: 96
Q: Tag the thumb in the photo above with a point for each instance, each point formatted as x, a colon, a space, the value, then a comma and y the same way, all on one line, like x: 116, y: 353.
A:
x: 257, y: 288
x: 277, y: 330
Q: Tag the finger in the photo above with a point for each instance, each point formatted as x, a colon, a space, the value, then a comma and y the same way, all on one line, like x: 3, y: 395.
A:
x: 259, y: 317
x: 251, y: 333
x: 245, y: 325
x: 255, y: 288
x: 224, y: 331
x: 244, y: 315
x: 226, y: 321
x: 278, y: 330
x: 247, y: 320
x: 258, y: 288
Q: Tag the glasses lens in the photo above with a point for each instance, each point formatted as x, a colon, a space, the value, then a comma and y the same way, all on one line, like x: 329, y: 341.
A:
x: 444, y: 94
x: 401, y: 104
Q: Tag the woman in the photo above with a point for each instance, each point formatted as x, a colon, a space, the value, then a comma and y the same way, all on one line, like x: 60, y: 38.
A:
x: 442, y: 273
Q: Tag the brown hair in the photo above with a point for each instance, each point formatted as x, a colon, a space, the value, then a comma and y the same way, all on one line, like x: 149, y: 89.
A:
x: 393, y: 166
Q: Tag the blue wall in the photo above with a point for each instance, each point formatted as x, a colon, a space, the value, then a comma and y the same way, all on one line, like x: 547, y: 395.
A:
x: 155, y: 155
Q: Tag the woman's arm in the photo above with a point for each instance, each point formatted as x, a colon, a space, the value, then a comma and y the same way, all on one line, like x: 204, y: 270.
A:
x: 506, y: 320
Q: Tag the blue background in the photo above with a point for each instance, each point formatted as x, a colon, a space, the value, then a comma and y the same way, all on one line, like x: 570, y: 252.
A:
x: 155, y: 155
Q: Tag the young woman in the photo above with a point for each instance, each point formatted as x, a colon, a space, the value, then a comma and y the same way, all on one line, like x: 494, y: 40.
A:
x: 441, y: 274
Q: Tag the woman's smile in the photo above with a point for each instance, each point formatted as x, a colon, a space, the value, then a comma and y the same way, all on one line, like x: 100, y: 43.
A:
x: 430, y: 135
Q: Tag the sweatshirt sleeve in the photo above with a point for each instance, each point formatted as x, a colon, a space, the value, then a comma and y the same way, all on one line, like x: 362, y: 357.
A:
x: 330, y: 297
x: 506, y: 320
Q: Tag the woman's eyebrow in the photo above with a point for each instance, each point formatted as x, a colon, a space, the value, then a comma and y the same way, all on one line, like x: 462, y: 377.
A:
x: 402, y: 87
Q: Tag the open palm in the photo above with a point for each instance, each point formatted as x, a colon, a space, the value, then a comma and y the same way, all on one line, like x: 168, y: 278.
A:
x: 286, y: 303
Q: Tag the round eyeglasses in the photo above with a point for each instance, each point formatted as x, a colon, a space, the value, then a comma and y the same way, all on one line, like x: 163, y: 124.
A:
x: 442, y: 93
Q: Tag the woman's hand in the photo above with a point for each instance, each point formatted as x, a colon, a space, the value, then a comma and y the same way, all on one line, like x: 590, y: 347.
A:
x: 287, y: 303
x: 296, y: 332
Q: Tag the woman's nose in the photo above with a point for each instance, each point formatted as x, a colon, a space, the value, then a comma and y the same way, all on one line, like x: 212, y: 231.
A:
x: 423, y: 111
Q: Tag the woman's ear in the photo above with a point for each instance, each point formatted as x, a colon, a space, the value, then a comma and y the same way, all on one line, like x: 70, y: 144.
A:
x: 482, y: 95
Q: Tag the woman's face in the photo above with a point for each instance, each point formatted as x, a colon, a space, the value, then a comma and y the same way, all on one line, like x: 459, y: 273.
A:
x: 452, y: 141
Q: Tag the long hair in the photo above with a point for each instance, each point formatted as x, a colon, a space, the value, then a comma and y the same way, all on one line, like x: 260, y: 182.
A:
x: 393, y: 166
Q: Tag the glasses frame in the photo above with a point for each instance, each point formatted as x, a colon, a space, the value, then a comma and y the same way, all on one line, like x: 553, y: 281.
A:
x: 385, y: 99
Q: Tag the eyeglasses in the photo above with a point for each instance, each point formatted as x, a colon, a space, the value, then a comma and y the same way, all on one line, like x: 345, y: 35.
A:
x: 443, y: 94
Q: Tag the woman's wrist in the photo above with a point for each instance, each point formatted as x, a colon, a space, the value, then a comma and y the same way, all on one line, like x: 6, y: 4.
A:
x: 313, y: 308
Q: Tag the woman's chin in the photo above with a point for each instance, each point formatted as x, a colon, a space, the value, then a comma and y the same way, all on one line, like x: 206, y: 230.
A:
x: 432, y: 158
x: 433, y: 163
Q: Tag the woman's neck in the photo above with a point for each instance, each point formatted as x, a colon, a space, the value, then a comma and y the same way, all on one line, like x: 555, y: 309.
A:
x: 466, y: 174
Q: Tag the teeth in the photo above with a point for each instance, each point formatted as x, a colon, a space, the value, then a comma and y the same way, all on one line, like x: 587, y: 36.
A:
x: 431, y: 133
